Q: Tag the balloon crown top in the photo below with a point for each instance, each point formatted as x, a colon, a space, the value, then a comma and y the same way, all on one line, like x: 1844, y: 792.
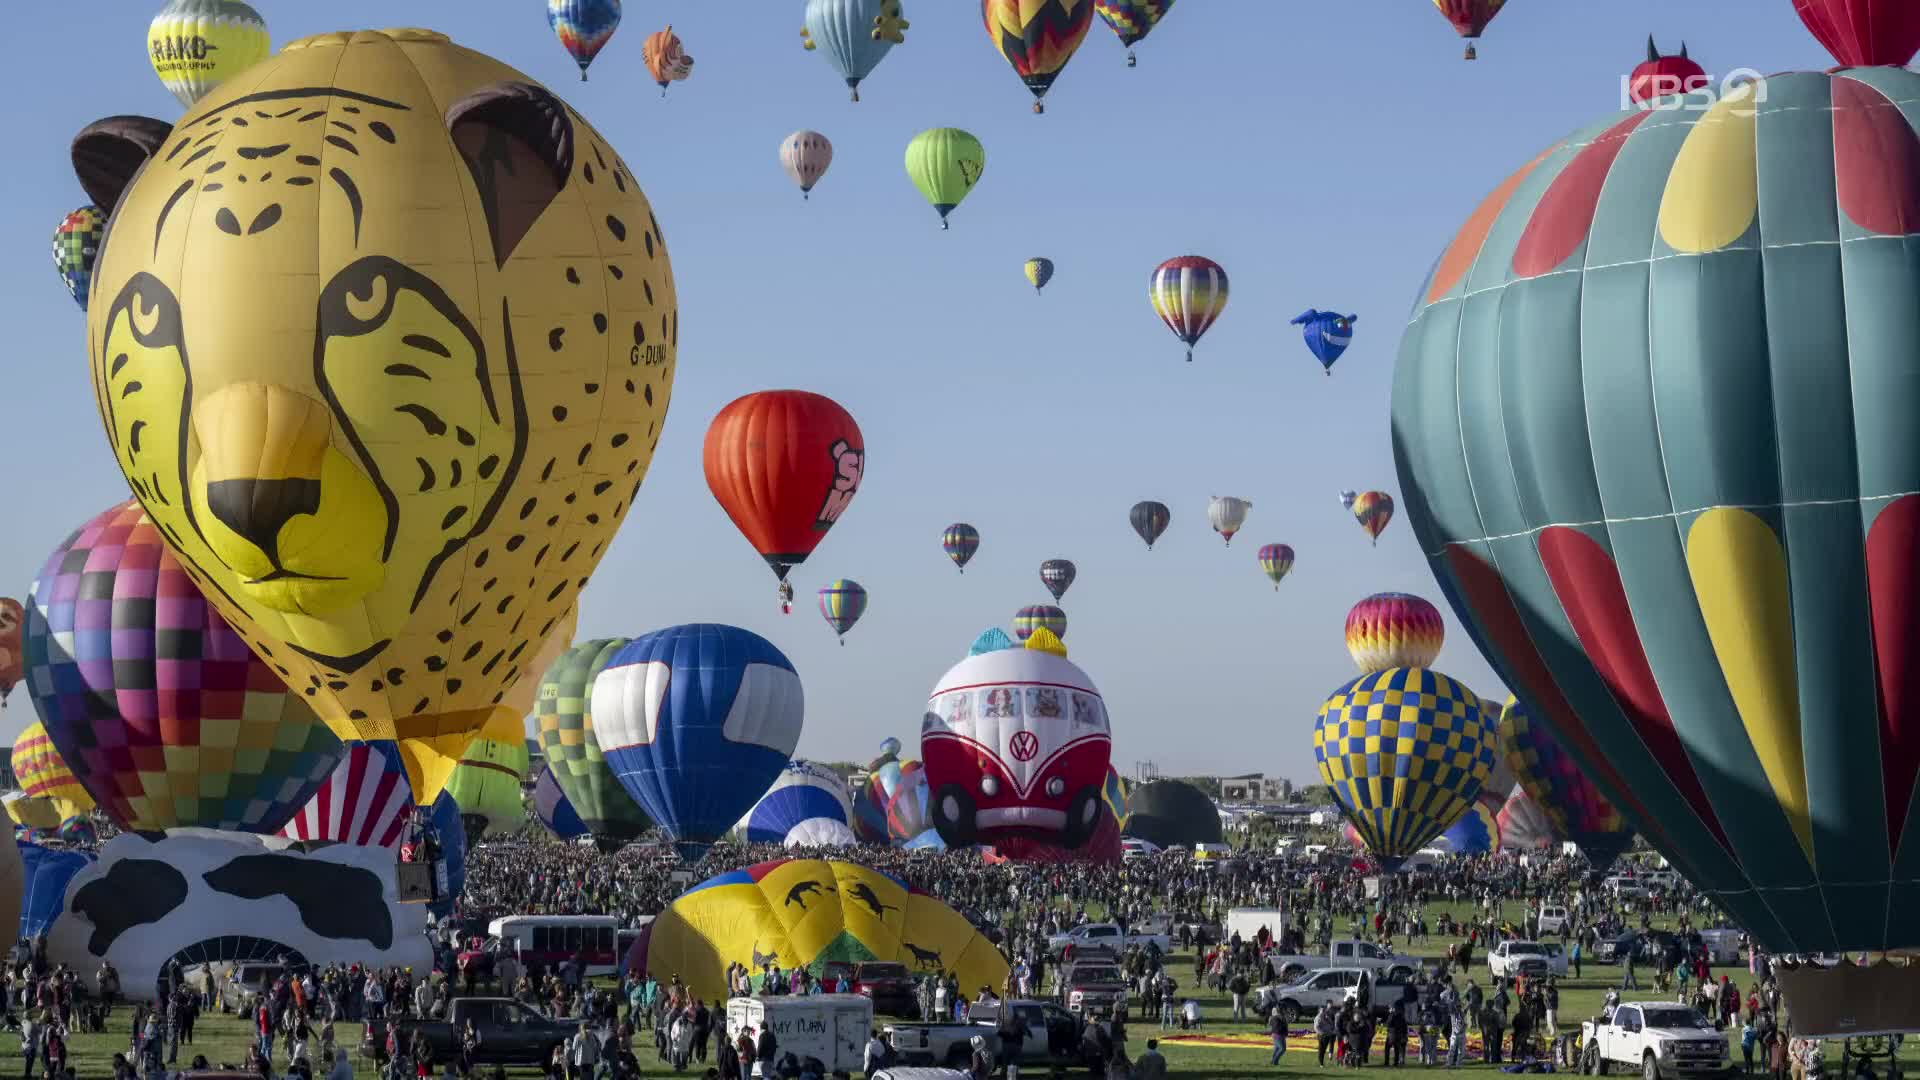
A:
x: 1046, y: 641
x: 337, y: 38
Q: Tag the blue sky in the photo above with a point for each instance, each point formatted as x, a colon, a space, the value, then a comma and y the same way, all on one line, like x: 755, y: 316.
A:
x: 1323, y: 153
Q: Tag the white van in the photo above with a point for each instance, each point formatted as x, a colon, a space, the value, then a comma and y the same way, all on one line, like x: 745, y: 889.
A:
x: 1552, y: 919
x: 831, y: 1027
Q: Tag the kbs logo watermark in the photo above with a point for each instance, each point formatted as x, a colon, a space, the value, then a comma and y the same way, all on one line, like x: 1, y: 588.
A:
x: 1744, y: 89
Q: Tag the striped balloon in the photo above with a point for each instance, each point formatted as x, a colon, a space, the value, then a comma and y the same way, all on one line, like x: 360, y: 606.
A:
x: 43, y: 774
x: 1033, y: 617
x: 1276, y: 561
x: 842, y: 602
x: 1405, y: 752
x: 1188, y: 293
x: 1392, y: 629
x: 1374, y: 510
x: 805, y: 156
x: 365, y: 801
x: 960, y: 541
x: 1568, y: 795
x: 1525, y: 826
x: 564, y: 720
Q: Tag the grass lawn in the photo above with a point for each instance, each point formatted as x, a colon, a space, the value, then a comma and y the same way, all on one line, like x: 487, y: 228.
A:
x: 225, y: 1038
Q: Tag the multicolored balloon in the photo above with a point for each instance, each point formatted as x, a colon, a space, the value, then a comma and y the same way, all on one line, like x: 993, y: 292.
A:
x: 909, y: 810
x: 1374, y: 511
x: 807, y: 806
x: 805, y: 155
x: 945, y: 163
x: 1478, y: 830
x: 1035, y: 616
x: 1131, y: 20
x: 784, y: 464
x: 584, y: 27
x: 1276, y: 561
x: 842, y: 602
x: 1039, y: 272
x: 42, y: 773
x: 1189, y: 293
x: 855, y: 34
x: 1394, y: 630
x: 1149, y: 520
x: 76, y: 244
x: 554, y: 810
x: 157, y: 705
x: 1405, y: 752
x: 1525, y: 826
x: 1116, y: 795
x: 1057, y: 575
x: 1470, y: 18
x: 13, y: 652
x: 666, y: 58
x: 1328, y: 334
x: 697, y: 721
x: 365, y: 801
x: 960, y: 541
x: 1227, y: 513
x: 1037, y: 37
x: 575, y: 761
x: 196, y: 45
x: 1562, y: 789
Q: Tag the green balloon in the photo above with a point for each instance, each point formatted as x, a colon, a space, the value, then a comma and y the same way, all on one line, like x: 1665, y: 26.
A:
x: 564, y: 708
x: 945, y: 163
x: 487, y: 782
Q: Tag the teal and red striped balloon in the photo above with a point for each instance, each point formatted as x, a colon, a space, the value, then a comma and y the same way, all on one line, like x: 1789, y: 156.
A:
x: 960, y: 541
x: 1654, y: 422
x: 842, y: 602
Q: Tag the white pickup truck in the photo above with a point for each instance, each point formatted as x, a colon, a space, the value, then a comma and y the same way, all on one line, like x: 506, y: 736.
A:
x: 1658, y: 1038
x: 1304, y: 997
x: 1347, y: 953
x: 1530, y: 958
x: 1105, y: 935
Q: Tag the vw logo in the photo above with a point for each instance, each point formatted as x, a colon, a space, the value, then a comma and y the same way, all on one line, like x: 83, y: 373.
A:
x: 1024, y: 745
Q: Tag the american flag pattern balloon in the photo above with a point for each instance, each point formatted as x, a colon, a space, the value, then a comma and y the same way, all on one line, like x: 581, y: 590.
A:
x: 365, y: 801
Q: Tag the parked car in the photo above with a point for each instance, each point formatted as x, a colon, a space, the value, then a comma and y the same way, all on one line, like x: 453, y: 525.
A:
x: 1658, y: 1038
x: 1105, y: 934
x: 1305, y: 996
x: 1614, y: 948
x: 510, y: 1033
x: 888, y: 984
x: 247, y: 984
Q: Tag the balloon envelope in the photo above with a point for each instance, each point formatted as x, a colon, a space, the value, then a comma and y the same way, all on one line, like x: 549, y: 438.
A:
x: 1037, y: 37
x: 805, y: 155
x: 365, y: 800
x: 196, y: 45
x: 39, y: 884
x: 1390, y: 630
x: 1561, y: 789
x: 584, y: 27
x: 575, y: 760
x: 555, y: 811
x: 801, y: 808
x: 488, y: 779
x: 784, y: 464
x: 42, y: 773
x: 854, y: 35
x: 960, y: 542
x: 1168, y: 813
x: 945, y: 163
x: 1149, y: 519
x: 1034, y: 616
x: 1189, y: 293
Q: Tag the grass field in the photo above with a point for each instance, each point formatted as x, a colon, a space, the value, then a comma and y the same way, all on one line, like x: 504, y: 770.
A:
x: 225, y: 1038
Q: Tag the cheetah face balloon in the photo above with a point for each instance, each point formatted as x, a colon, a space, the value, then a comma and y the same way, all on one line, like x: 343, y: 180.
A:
x: 383, y: 335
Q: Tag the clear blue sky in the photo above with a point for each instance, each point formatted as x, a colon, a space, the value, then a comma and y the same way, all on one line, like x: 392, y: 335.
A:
x: 1322, y: 152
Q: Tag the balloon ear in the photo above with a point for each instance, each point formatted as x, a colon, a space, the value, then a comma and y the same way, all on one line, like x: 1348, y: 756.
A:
x: 108, y: 154
x: 1653, y: 52
x: 1683, y: 51
x: 517, y: 140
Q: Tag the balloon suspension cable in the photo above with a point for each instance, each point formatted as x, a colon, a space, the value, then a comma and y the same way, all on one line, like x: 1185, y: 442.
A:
x: 663, y: 93
x: 843, y: 643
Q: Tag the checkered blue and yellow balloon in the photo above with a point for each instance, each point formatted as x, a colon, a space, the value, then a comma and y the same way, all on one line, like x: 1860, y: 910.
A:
x: 1405, y: 751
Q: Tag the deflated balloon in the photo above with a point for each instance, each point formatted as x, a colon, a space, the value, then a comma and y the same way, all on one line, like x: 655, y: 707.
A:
x: 584, y: 27
x: 196, y: 45
x: 854, y: 35
x: 575, y: 761
x: 407, y: 437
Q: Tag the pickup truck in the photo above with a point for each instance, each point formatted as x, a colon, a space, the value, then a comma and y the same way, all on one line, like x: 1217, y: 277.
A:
x: 1053, y: 1033
x: 1347, y: 953
x: 510, y: 1033
x: 1108, y: 935
x: 1658, y: 1038
x: 1529, y: 958
x: 1094, y: 987
x: 1304, y: 996
x: 946, y: 1045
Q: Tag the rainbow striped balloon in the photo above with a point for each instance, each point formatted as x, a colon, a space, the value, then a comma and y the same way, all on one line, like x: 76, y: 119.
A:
x: 43, y: 773
x: 842, y: 602
x: 1393, y: 629
x: 960, y: 541
x: 1189, y: 293
x: 1374, y: 511
x: 1033, y: 617
x: 1276, y: 561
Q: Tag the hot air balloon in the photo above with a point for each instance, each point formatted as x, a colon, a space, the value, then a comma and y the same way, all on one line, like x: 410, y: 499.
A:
x: 1117, y: 797
x: 584, y: 27
x: 1227, y: 515
x: 39, y: 894
x: 960, y: 541
x: 393, y: 502
x: 1862, y: 33
x: 1328, y: 334
x: 1017, y: 745
x: 1394, y: 630
x: 1665, y: 76
x: 76, y: 244
x: 666, y: 58
x: 807, y: 806
x: 1629, y: 532
x: 784, y: 464
x: 805, y: 156
x: 1276, y: 561
x: 854, y: 34
x: 1405, y: 775
x: 364, y: 801
x: 196, y: 45
x: 1562, y: 789
x: 153, y: 700
x: 842, y: 602
x: 1035, y: 616
x: 1347, y: 499
x: 1149, y: 520
x: 488, y: 780
x: 805, y: 913
x: 1057, y: 575
x: 1131, y: 20
x: 555, y: 811
x: 43, y: 773
x: 13, y: 653
x: 1470, y: 18
x: 568, y: 741
x: 1037, y: 37
x: 1524, y: 826
x: 889, y: 751
x: 869, y: 817
x: 1169, y: 813
x: 945, y: 163
x: 1374, y: 511
x: 697, y: 721
x: 910, y: 821
x: 1188, y: 293
x: 1478, y: 830
x: 1039, y: 272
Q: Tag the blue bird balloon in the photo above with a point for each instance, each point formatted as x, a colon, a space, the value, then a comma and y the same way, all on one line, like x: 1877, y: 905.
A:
x: 1328, y: 334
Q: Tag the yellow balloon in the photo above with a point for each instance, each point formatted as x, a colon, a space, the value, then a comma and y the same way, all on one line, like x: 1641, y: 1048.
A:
x: 32, y: 811
x: 383, y: 341
x: 196, y: 45
x: 43, y: 774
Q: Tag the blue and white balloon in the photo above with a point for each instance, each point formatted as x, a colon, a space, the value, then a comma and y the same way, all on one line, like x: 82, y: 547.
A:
x: 697, y: 721
x: 808, y: 806
x: 1328, y: 334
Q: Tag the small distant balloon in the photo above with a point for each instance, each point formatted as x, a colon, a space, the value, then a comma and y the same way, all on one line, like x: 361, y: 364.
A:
x: 1346, y: 499
x: 1057, y: 575
x: 1276, y: 561
x: 1328, y: 334
x: 584, y: 27
x: 842, y: 602
x: 1039, y: 272
x: 1131, y: 20
x: 960, y: 541
x: 1149, y: 520
x: 666, y: 58
x: 805, y: 155
x: 945, y: 163
x: 1033, y: 617
x: 76, y: 243
x: 854, y: 35
x: 1227, y: 514
x: 196, y: 45
x: 1188, y: 293
x: 1373, y: 510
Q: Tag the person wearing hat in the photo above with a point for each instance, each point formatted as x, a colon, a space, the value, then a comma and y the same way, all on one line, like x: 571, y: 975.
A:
x: 981, y: 1066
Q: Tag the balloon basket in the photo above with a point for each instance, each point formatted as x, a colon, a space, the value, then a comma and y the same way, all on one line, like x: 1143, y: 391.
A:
x: 1132, y: 61
x: 1472, y: 53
